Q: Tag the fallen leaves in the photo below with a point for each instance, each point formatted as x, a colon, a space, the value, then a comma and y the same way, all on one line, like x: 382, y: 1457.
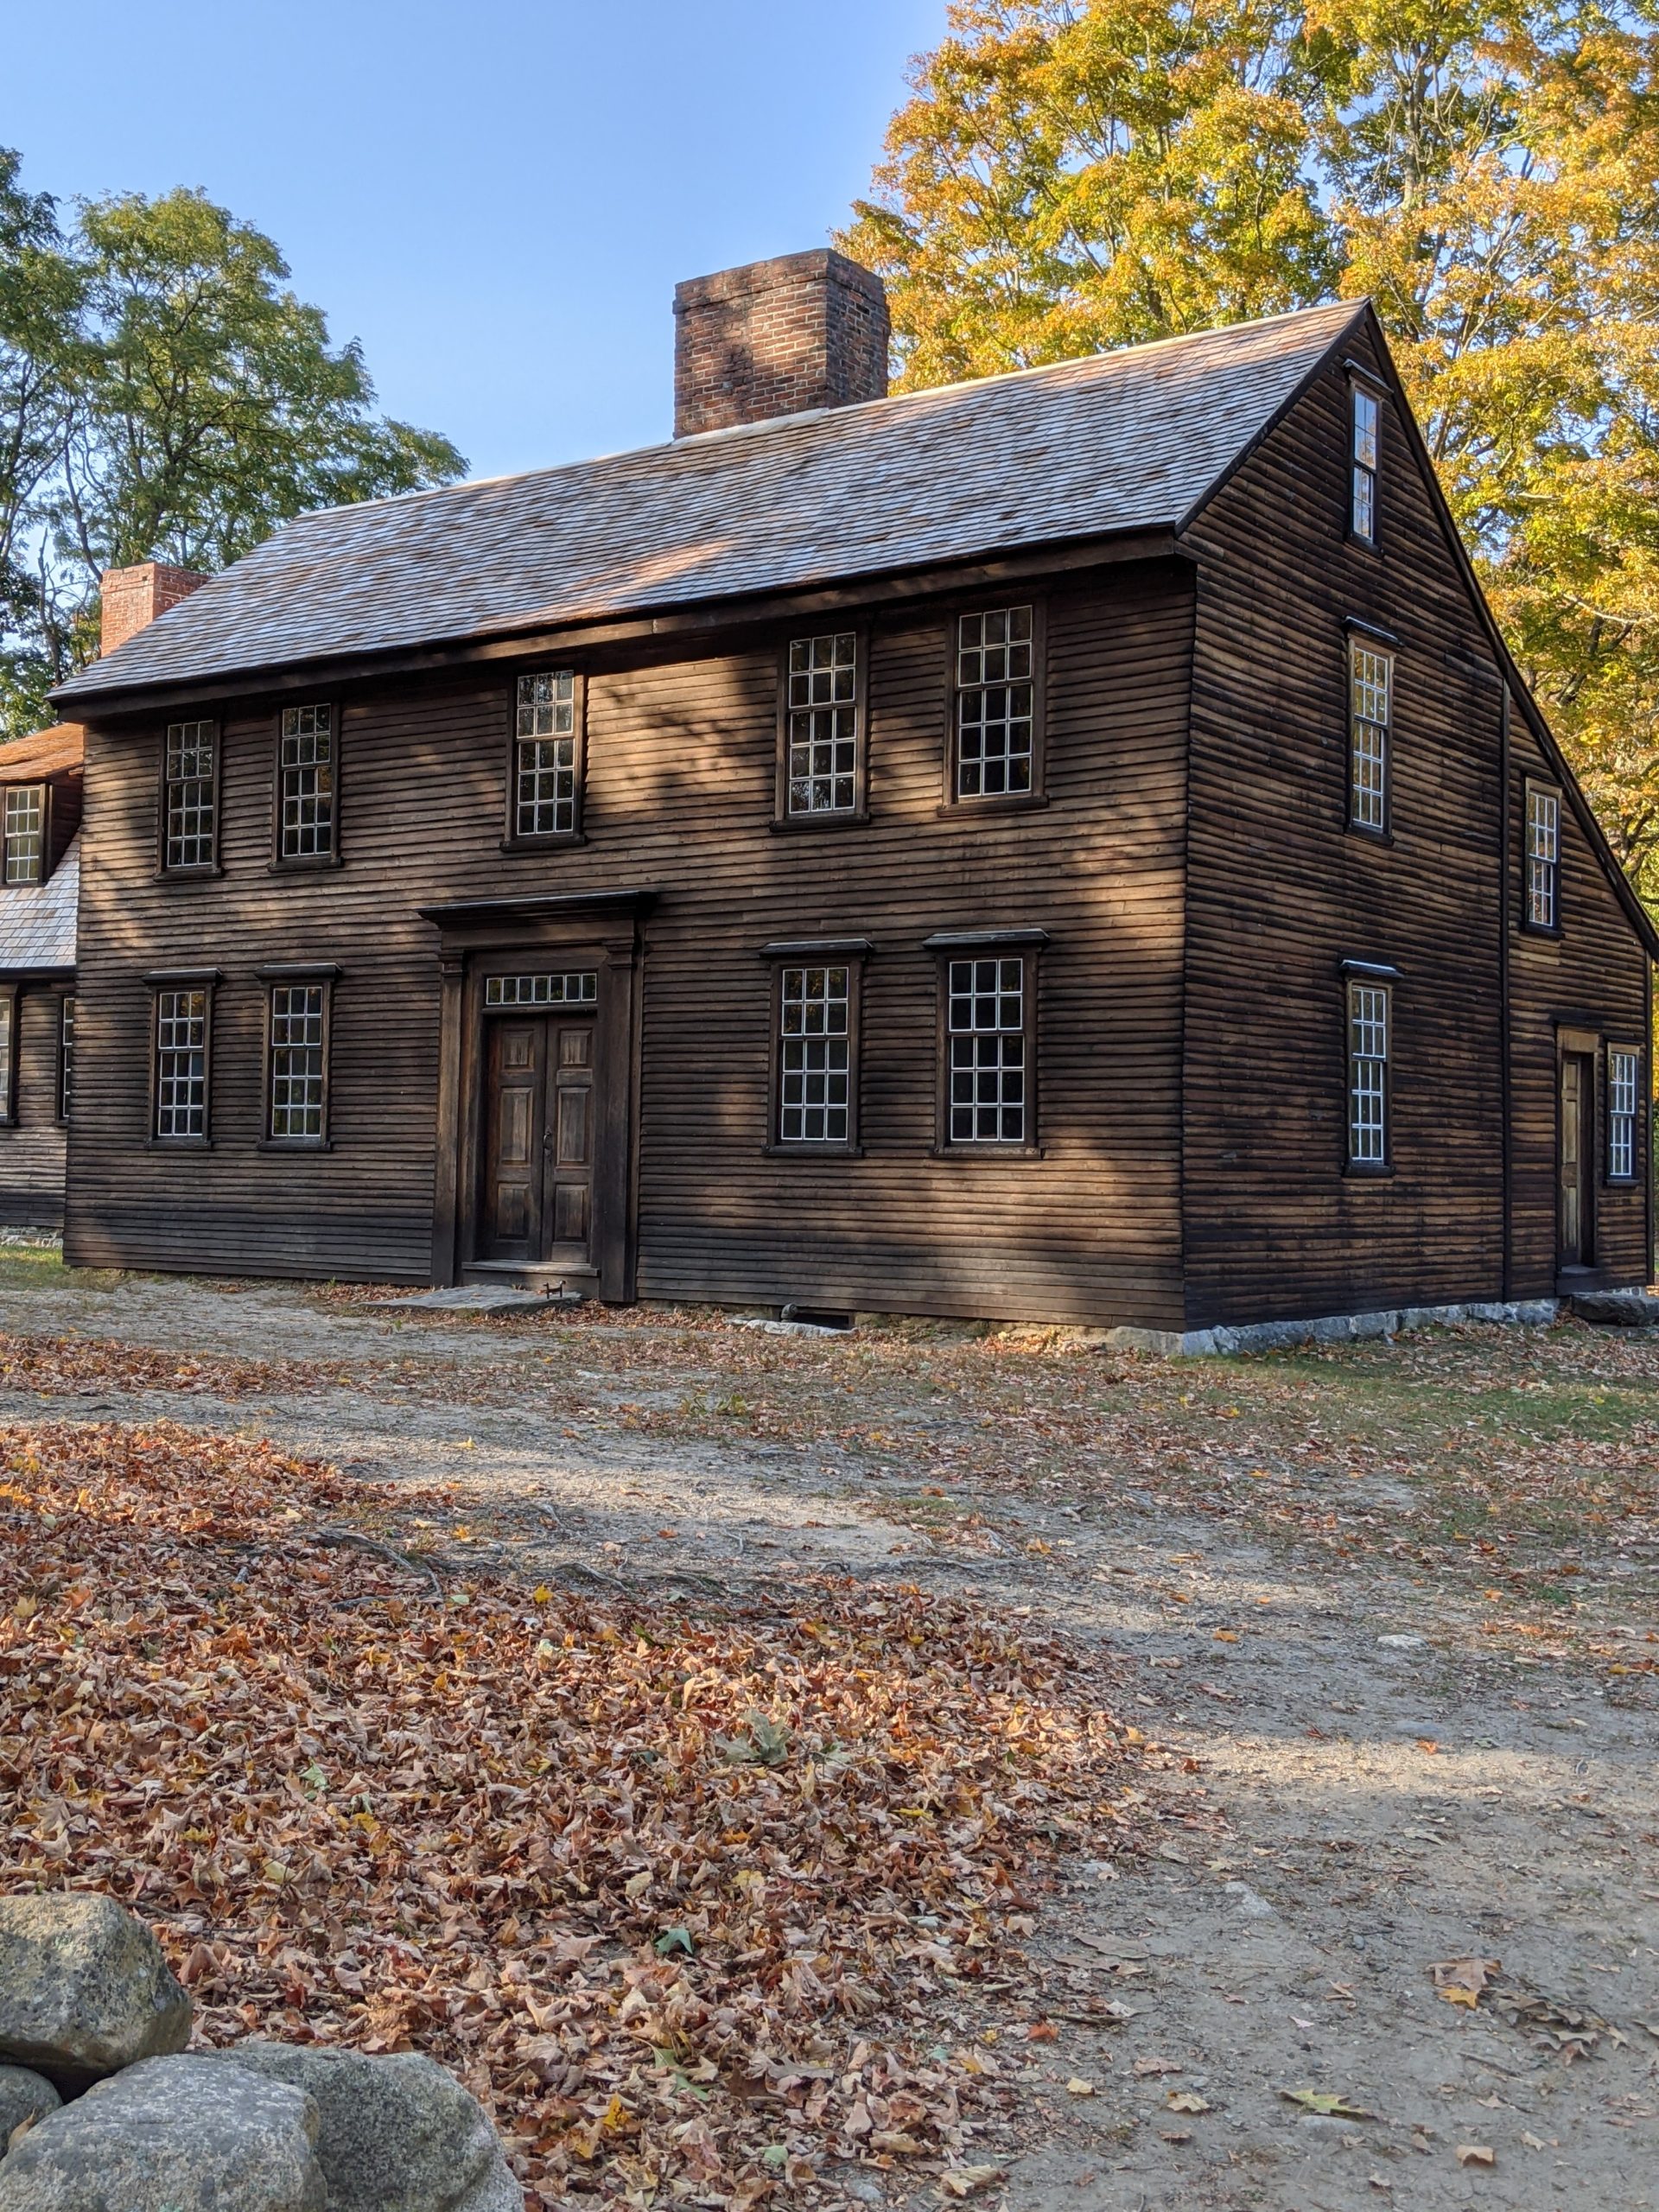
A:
x: 1476, y: 2154
x: 1460, y: 1981
x: 1326, y: 2105
x: 669, y: 1897
x: 1187, y: 2100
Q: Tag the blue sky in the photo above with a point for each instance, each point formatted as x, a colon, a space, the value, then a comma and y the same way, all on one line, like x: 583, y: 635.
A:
x: 496, y: 196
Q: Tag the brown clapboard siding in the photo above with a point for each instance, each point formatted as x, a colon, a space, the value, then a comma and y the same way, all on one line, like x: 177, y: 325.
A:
x: 1280, y: 893
x: 681, y: 754
x: 32, y: 1145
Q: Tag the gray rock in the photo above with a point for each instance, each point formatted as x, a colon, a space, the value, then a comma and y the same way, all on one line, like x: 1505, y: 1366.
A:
x: 23, y: 2096
x: 84, y: 1988
x: 1617, y: 1309
x: 171, y: 2135
x: 397, y: 2133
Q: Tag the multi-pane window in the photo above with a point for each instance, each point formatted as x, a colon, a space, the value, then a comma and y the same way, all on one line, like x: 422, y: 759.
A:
x: 8, y: 1057
x: 1369, y: 1014
x: 578, y: 989
x: 25, y: 833
x: 1367, y: 415
x: 297, y: 1073
x: 986, y: 1058
x: 66, y: 1055
x: 544, y: 756
x: 181, y: 1062
x: 192, y: 795
x: 1543, y: 852
x: 1370, y: 706
x: 996, y: 711
x: 814, y: 1055
x: 822, y: 736
x: 306, y: 826
x: 1623, y: 1069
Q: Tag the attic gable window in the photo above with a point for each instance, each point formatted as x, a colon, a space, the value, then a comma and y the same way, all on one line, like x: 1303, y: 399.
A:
x: 1367, y: 417
x: 547, y: 764
x: 190, y: 800
x: 25, y: 833
x: 1542, y: 850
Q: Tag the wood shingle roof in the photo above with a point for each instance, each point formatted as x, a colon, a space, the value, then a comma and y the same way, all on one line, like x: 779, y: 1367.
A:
x: 1115, y: 443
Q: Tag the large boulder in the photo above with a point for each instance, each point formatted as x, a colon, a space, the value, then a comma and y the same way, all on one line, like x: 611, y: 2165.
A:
x: 23, y: 2096
x: 171, y: 2135
x: 1617, y: 1309
x: 84, y: 1988
x: 396, y: 2133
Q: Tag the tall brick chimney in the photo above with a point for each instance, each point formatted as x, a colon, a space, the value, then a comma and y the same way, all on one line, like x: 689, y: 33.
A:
x: 132, y: 598
x: 807, y: 330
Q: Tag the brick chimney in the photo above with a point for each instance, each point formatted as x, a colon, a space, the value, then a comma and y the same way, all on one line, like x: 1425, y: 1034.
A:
x: 132, y: 598
x: 807, y: 330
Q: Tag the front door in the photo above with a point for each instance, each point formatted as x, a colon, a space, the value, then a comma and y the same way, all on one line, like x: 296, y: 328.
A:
x: 538, y: 1152
x: 1576, y: 1203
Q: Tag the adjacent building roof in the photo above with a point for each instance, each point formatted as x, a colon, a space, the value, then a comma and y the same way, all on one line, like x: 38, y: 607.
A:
x: 47, y: 752
x: 1119, y: 442
x: 37, y: 920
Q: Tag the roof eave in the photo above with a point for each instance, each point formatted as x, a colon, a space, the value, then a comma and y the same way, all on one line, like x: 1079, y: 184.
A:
x: 685, y: 617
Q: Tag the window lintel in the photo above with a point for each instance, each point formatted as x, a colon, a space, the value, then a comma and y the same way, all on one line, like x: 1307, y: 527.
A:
x: 1358, y: 626
x: 1378, y: 971
x: 299, y: 971
x: 197, y: 979
x: 985, y: 940
x: 813, y: 951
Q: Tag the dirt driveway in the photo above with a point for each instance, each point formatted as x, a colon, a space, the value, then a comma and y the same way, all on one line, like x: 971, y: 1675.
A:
x: 1393, y: 1606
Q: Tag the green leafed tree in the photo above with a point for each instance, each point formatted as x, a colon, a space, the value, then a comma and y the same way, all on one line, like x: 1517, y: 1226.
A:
x: 1072, y: 175
x: 165, y: 394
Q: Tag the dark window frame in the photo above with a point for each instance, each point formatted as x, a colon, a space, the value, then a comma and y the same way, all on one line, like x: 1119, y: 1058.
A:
x: 1637, y: 1118
x: 1363, y: 384
x: 1359, y: 974
x: 11, y: 997
x: 44, y: 856
x: 185, y: 871
x: 858, y: 814
x: 283, y: 862
x: 1544, y: 788
x: 852, y: 953
x: 68, y: 1014
x: 513, y: 839
x: 308, y: 975
x: 161, y: 981
x: 1027, y: 945
x: 1361, y: 638
x: 952, y: 805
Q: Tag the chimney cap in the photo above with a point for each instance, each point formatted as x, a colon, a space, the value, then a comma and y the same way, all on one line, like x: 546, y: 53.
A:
x: 818, y: 264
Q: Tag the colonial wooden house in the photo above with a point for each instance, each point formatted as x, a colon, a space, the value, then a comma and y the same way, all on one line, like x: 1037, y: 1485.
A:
x: 1069, y: 845
x: 39, y: 873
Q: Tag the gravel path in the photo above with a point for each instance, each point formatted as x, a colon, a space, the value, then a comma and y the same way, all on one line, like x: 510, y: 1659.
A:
x: 1370, y: 1791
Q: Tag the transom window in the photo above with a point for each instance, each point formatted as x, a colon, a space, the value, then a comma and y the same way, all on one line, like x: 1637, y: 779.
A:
x: 1370, y: 711
x: 25, y: 829
x: 814, y: 1055
x: 986, y: 1051
x: 1368, y: 1022
x: 581, y: 988
x: 307, y: 828
x: 1543, y: 850
x: 66, y: 1055
x: 192, y: 796
x: 1623, y: 1069
x: 995, y: 704
x: 1366, y: 422
x: 181, y: 1062
x: 544, y: 802
x: 297, y: 1064
x: 823, y: 736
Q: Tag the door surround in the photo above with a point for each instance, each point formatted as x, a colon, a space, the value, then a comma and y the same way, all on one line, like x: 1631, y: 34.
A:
x: 1577, y: 1091
x: 602, y: 930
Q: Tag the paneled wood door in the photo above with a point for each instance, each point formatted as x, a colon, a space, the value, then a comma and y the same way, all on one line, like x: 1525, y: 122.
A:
x: 538, y: 1153
x: 1577, y: 1154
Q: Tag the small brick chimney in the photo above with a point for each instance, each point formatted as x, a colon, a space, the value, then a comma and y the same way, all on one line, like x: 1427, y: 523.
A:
x: 132, y: 598
x: 777, y: 337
